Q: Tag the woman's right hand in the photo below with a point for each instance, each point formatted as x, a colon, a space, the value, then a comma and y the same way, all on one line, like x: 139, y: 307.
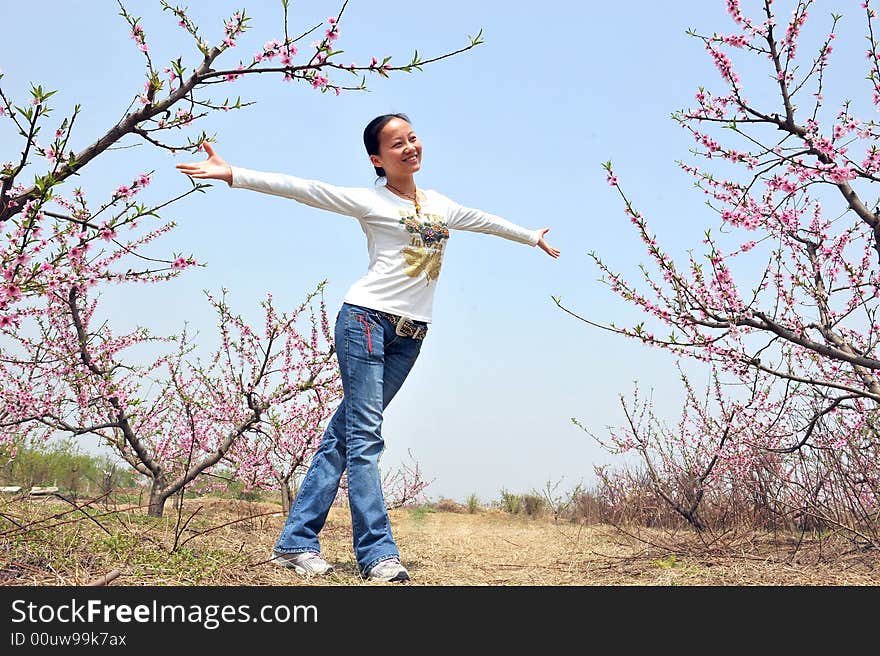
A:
x: 213, y: 168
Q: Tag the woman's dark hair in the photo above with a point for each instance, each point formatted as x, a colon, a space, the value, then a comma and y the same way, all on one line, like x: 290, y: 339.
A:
x: 371, y: 136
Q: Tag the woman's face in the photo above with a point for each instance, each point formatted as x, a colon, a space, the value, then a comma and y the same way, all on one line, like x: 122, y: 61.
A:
x: 400, y: 151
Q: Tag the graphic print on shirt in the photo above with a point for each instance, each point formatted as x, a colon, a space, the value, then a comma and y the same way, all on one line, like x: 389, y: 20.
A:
x: 424, y: 255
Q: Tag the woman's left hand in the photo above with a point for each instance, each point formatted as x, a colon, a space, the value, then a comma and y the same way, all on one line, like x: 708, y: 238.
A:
x: 547, y: 248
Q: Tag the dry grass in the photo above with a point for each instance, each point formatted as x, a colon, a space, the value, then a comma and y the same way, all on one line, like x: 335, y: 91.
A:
x: 229, y: 543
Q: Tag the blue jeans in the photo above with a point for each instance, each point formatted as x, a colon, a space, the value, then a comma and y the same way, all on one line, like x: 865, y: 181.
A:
x: 373, y: 361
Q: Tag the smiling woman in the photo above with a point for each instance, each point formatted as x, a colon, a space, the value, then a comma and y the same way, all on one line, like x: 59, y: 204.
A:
x: 379, y: 330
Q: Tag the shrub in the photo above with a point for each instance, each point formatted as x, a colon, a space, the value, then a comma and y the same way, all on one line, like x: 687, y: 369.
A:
x: 588, y: 506
x: 418, y: 513
x: 448, y: 505
x: 473, y: 504
x: 533, y: 504
x: 510, y: 502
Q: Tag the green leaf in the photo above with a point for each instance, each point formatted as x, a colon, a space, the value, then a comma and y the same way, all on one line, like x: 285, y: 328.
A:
x: 40, y: 95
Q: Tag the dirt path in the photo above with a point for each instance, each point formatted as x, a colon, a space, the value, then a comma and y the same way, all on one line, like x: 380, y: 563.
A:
x: 489, y: 548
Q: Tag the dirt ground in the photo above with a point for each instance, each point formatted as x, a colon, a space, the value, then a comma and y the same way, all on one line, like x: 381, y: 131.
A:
x: 229, y: 543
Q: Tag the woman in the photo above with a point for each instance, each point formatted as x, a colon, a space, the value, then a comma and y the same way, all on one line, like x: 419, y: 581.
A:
x: 378, y: 332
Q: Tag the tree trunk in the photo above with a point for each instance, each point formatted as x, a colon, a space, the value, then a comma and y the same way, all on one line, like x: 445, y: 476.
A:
x: 287, y: 496
x: 158, y: 495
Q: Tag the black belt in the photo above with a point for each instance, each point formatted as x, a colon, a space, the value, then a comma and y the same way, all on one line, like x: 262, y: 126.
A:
x: 407, y: 327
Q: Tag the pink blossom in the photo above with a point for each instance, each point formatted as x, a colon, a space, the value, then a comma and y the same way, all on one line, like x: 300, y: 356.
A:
x: 12, y: 293
x: 734, y: 10
x: 183, y: 117
x: 234, y: 76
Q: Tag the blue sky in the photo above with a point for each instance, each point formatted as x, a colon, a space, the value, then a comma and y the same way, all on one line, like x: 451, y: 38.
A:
x: 518, y: 127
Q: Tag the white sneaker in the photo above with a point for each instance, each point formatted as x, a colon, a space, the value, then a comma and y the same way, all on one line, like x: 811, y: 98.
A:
x: 304, y: 563
x: 389, y: 570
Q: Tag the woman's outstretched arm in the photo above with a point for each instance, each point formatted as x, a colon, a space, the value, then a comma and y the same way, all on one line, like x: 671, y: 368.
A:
x: 474, y: 220
x: 342, y: 200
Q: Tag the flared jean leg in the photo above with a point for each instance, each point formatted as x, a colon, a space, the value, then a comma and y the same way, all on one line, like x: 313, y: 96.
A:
x: 374, y: 362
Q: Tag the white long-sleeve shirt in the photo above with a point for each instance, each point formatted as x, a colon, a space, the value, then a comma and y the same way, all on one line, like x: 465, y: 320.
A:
x: 405, y: 247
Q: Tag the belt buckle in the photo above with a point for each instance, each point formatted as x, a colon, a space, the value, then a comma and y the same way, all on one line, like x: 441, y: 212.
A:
x: 401, y: 327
